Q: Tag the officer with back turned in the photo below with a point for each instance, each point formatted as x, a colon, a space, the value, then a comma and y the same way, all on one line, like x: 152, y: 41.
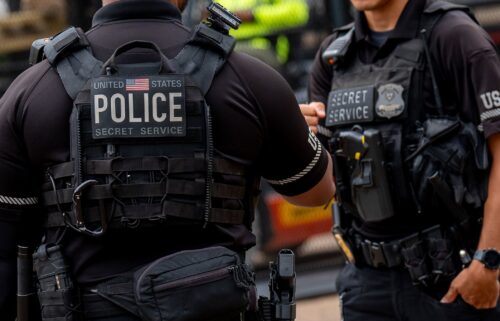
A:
x: 408, y: 100
x: 135, y: 150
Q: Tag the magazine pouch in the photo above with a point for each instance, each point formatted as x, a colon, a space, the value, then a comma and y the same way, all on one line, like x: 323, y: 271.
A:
x: 204, y: 284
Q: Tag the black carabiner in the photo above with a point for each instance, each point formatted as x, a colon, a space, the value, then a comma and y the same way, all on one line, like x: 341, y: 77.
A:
x: 77, y: 208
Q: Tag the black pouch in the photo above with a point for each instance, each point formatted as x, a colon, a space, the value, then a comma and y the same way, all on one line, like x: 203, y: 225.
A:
x: 58, y: 296
x: 449, y: 168
x: 416, y: 263
x: 205, y: 284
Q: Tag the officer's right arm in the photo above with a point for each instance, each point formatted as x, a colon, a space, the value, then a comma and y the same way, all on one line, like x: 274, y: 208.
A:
x: 292, y: 159
x: 17, y: 200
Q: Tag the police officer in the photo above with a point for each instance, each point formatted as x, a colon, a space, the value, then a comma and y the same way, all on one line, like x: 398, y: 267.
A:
x: 137, y: 141
x: 393, y: 94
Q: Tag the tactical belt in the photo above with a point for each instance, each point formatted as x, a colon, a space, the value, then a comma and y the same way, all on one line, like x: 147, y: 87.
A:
x: 390, y: 254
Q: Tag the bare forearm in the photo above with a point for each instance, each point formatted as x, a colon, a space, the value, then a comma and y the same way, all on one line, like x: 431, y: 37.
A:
x: 490, y: 236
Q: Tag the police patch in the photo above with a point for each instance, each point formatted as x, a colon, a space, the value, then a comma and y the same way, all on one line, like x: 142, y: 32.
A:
x: 390, y: 101
x: 350, y: 106
x: 138, y: 107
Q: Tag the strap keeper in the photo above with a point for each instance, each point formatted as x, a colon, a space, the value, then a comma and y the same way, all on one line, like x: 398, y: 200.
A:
x: 69, y: 38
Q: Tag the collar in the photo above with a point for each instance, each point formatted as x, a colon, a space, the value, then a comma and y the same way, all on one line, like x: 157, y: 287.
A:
x: 406, y: 28
x: 136, y: 9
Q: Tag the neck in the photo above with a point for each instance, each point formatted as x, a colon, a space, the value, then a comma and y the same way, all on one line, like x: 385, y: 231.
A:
x: 386, y: 17
x: 106, y: 2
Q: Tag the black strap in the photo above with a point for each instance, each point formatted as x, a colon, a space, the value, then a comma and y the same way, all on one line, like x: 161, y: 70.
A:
x: 168, y: 165
x: 154, y: 213
x: 171, y: 187
x: 204, y: 55
x: 70, y: 53
x: 389, y: 254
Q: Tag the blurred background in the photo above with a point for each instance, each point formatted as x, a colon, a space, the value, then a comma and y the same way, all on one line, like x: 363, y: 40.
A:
x: 284, y: 34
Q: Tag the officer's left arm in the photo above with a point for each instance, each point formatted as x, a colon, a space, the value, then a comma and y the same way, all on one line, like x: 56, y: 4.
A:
x: 472, y: 69
x: 478, y: 285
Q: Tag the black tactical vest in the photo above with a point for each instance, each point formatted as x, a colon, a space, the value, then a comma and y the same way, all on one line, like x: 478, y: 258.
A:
x: 142, y: 148
x: 375, y: 112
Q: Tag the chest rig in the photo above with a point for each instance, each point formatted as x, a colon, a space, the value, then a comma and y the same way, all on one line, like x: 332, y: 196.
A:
x: 142, y: 150
x: 375, y: 113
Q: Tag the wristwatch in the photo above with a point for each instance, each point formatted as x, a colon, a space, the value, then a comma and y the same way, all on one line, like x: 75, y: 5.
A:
x: 489, y: 257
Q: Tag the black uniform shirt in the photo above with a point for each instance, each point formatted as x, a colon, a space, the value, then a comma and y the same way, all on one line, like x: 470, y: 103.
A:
x: 256, y: 120
x: 468, y: 75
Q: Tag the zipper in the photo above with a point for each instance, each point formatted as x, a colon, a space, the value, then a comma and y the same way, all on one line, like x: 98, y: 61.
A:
x: 210, y: 158
x: 155, y: 263
x: 197, y: 279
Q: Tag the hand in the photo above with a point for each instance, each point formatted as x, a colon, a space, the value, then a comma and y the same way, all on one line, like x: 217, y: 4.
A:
x: 313, y: 112
x: 477, y: 286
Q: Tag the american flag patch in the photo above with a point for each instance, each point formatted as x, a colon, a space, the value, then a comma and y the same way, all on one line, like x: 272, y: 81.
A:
x: 141, y: 84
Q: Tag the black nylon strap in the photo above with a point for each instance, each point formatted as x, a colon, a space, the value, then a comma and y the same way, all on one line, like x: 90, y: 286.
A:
x: 204, y: 55
x: 172, y: 187
x: 66, y: 40
x: 170, y: 165
x: 69, y: 52
x: 389, y: 254
x: 102, y: 192
x: 154, y: 213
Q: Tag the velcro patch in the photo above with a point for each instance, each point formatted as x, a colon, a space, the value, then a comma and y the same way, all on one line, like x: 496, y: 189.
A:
x: 350, y: 106
x: 138, y: 107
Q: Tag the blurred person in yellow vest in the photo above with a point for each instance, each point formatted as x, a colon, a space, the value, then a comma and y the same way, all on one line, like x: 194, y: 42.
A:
x: 265, y: 22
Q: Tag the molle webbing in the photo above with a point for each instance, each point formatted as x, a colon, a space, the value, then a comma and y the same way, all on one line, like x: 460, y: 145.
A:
x: 160, y: 163
x: 154, y: 213
x: 145, y: 180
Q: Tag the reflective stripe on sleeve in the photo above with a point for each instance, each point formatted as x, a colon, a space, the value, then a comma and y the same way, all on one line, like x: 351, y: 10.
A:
x: 315, y: 143
x: 18, y: 200
x: 490, y: 114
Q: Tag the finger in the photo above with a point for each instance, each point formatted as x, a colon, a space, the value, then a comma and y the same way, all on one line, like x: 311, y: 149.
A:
x: 311, y: 121
x: 450, y: 296
x: 320, y: 109
x: 307, y: 110
x: 314, y: 129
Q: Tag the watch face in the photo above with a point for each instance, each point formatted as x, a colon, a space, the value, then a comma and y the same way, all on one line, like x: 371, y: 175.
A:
x: 491, y: 259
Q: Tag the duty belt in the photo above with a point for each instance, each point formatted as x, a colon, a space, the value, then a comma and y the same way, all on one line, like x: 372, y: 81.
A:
x: 392, y: 253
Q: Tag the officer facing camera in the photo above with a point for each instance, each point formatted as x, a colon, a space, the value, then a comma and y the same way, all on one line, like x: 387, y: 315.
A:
x: 406, y: 100
x: 136, y: 149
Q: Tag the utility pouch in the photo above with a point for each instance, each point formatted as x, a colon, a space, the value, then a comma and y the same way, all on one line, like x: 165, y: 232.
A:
x: 59, y: 300
x: 415, y: 259
x: 205, y: 284
x: 441, y: 256
x: 449, y: 168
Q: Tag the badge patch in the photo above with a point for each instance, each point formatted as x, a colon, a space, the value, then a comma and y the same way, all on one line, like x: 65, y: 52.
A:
x: 138, y: 107
x: 350, y: 106
x: 390, y: 101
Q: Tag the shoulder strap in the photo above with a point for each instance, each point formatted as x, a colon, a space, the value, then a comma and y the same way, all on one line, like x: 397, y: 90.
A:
x: 435, y: 10
x: 434, y: 6
x: 69, y: 52
x: 204, y: 55
x: 433, y: 13
x: 201, y: 58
